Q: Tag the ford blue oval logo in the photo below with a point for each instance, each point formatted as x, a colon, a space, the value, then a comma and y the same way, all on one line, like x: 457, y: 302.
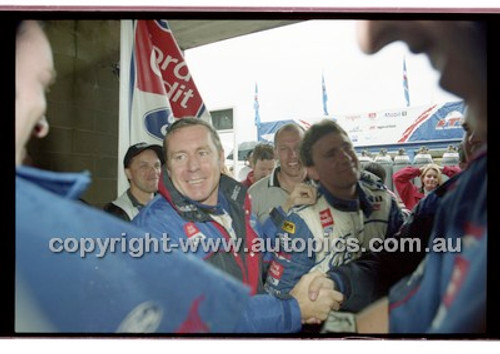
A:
x: 156, y: 122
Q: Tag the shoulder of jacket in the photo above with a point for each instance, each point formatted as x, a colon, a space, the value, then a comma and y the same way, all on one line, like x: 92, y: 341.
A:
x: 159, y: 202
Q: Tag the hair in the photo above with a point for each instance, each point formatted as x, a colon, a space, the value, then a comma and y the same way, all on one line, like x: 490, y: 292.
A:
x: 427, y: 168
x: 263, y: 151
x: 377, y: 169
x: 288, y: 127
x: 313, y: 134
x: 190, y: 122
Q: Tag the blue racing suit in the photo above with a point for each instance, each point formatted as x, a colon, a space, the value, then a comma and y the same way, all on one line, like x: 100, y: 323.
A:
x: 191, y: 226
x: 331, y: 232
x: 63, y: 285
x: 447, y: 292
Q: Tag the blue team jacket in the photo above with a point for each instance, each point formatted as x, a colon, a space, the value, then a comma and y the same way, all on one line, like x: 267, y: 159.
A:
x: 447, y: 292
x: 64, y: 292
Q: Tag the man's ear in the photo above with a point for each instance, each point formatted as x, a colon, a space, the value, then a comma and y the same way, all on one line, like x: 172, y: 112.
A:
x: 128, y: 174
x: 221, y: 160
x: 311, y: 172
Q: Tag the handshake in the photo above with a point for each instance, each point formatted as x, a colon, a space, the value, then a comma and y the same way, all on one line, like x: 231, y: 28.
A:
x: 319, y: 302
x: 316, y: 296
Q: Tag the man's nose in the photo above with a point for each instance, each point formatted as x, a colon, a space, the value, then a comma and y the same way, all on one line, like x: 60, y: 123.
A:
x: 193, y: 164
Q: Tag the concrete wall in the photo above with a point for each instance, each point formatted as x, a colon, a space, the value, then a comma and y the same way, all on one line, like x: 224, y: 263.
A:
x: 83, y: 105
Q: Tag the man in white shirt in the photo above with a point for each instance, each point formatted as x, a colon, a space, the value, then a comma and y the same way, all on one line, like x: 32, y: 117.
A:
x: 287, y: 185
x: 142, y: 165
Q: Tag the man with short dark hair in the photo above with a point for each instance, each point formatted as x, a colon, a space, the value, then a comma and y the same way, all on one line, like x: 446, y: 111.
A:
x: 262, y: 163
x: 352, y: 208
x: 142, y: 164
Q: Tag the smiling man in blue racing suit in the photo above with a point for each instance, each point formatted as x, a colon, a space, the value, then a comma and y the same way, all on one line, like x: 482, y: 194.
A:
x: 352, y: 211
x: 197, y: 205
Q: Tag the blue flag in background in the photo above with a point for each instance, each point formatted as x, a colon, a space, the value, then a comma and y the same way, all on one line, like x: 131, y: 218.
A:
x: 405, y: 83
x: 325, y: 97
x: 256, y: 108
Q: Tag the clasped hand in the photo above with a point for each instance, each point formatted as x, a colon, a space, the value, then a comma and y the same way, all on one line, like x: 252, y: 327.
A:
x: 316, y: 296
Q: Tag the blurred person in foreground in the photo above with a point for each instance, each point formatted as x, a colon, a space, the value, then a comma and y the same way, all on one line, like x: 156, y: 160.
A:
x: 447, y: 291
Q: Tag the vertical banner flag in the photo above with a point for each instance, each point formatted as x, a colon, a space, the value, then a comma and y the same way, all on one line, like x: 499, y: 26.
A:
x: 325, y: 97
x: 405, y: 83
x: 156, y: 87
x: 256, y: 108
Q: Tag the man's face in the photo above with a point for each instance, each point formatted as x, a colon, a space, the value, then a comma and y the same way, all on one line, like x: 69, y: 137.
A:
x: 144, y: 170
x: 287, y: 152
x: 335, y: 164
x: 34, y: 74
x: 194, y: 164
x: 262, y: 169
x: 457, y: 49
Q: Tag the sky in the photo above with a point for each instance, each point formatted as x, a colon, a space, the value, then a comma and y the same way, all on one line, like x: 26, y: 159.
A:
x: 287, y: 64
